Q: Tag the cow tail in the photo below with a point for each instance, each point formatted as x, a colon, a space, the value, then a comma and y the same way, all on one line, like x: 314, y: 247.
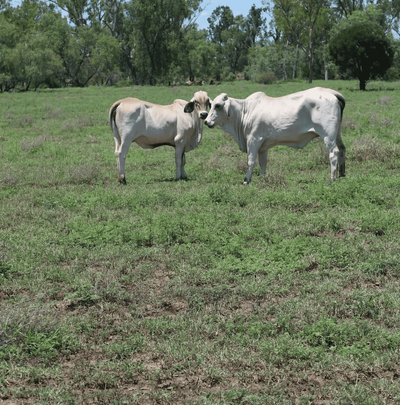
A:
x: 342, y: 102
x: 113, y: 125
x: 339, y: 142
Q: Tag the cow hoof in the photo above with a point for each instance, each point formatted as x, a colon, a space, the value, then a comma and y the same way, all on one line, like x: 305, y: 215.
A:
x: 245, y: 183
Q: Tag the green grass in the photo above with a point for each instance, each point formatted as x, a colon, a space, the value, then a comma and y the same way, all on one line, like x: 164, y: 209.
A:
x: 201, y: 291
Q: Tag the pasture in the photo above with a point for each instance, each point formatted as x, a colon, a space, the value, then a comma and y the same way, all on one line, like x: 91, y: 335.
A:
x: 202, y: 291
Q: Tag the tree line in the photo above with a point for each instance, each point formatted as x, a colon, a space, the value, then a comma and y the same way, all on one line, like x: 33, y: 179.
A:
x: 61, y: 43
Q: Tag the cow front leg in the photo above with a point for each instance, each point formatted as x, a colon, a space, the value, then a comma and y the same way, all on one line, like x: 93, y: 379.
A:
x: 262, y: 160
x: 180, y: 144
x: 179, y: 161
x: 183, y: 162
x: 253, y: 145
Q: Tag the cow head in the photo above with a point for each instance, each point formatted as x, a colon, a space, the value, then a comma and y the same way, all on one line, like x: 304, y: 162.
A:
x: 201, y: 103
x: 219, y: 112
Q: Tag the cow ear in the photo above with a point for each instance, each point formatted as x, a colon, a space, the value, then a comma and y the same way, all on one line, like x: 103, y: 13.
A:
x: 189, y: 107
x: 225, y: 97
x: 209, y: 102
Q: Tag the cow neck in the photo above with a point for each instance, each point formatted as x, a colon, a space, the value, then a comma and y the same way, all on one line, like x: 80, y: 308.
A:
x: 198, y: 129
x: 235, y: 123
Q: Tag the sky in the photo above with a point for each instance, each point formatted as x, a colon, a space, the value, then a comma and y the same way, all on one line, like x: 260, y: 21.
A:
x: 237, y: 6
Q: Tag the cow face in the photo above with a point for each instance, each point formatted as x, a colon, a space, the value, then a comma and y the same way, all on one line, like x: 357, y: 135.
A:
x: 219, y: 112
x: 201, y: 103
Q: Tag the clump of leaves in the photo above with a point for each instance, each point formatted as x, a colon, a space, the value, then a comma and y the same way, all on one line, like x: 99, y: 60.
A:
x: 84, y: 174
x: 25, y: 120
x: 5, y: 269
x: 355, y: 337
x: 85, y: 295
x: 384, y: 100
x: 371, y: 148
x: 28, y: 331
x: 31, y: 145
x: 129, y: 346
x: 9, y: 179
x: 266, y: 78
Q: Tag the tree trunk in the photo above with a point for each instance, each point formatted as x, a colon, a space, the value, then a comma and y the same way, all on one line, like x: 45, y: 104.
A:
x: 310, y: 57
x: 326, y: 70
x: 295, y: 62
x: 285, y: 77
x: 363, y: 83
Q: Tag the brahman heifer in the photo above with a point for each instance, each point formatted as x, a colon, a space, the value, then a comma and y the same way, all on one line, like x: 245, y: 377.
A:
x: 150, y: 125
x: 260, y: 122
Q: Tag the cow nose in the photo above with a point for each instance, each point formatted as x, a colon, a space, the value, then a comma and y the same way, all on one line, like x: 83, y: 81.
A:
x: 203, y: 115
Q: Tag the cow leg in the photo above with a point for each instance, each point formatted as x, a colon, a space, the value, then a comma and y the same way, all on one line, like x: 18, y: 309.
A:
x: 342, y: 157
x: 180, y: 144
x: 262, y: 160
x: 179, y: 158
x: 183, y: 162
x: 333, y: 152
x: 120, y: 153
x: 253, y: 146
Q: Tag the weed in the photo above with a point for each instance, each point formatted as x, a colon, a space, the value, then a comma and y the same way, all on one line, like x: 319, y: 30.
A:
x: 9, y: 179
x: 371, y: 148
x: 84, y: 295
x: 32, y: 145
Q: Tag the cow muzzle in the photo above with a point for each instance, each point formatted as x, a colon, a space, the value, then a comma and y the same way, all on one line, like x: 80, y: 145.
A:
x: 203, y: 115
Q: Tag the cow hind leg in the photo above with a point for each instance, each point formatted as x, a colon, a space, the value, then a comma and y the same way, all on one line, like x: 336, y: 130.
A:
x: 342, y: 157
x: 120, y: 154
x: 262, y: 160
x: 333, y: 152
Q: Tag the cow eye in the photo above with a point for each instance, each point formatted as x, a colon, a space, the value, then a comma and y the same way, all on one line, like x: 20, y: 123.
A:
x: 218, y: 106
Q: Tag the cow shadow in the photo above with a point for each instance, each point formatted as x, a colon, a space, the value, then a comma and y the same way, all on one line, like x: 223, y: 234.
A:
x: 170, y: 180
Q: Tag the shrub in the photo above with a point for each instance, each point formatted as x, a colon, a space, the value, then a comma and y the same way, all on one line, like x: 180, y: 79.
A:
x: 266, y: 78
x: 230, y: 77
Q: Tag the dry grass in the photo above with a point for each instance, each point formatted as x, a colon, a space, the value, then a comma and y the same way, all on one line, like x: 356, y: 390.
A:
x: 384, y: 100
x: 29, y: 144
x: 9, y: 179
x: 26, y: 120
x: 371, y: 148
x: 349, y: 123
x: 83, y: 174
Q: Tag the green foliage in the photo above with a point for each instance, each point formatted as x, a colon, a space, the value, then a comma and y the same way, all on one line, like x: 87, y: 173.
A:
x: 84, y: 295
x: 362, y: 51
x: 266, y: 78
x: 355, y: 338
x: 127, y: 347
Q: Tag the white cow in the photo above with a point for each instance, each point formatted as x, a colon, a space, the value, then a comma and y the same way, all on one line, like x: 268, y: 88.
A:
x: 260, y: 122
x: 150, y: 125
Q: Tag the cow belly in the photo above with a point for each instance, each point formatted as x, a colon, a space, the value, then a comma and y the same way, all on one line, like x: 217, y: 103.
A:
x: 153, y: 142
x: 296, y: 141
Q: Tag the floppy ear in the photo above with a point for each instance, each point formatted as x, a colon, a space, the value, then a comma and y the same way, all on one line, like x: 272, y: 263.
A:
x: 226, y: 105
x: 189, y: 107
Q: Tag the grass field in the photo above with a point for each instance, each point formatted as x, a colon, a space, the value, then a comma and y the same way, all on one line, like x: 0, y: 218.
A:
x: 203, y: 291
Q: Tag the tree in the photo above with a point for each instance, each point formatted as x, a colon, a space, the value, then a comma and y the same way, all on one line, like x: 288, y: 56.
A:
x: 197, y: 55
x: 299, y: 21
x: 158, y: 28
x: 362, y: 50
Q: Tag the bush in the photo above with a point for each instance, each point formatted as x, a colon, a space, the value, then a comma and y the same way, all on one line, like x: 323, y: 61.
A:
x: 266, y: 78
x: 230, y: 77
